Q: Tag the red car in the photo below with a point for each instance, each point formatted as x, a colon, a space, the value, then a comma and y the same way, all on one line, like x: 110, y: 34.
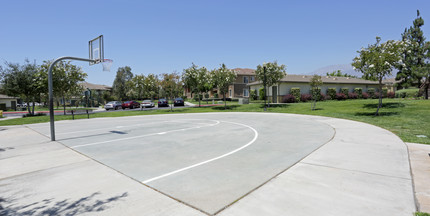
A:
x: 130, y: 105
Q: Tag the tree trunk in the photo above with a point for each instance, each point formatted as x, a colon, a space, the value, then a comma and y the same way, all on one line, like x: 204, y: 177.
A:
x: 171, y: 105
x: 426, y: 88
x: 199, y: 99
x: 28, y: 106
x: 64, y: 105
x: 32, y: 113
x: 380, y: 97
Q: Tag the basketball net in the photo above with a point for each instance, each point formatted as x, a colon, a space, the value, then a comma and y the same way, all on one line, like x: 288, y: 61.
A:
x: 107, y: 63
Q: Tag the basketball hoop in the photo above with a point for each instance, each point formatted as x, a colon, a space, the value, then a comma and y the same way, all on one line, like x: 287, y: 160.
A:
x: 107, y: 63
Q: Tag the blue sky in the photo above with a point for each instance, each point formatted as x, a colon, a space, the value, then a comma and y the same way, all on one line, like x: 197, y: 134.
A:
x: 166, y: 36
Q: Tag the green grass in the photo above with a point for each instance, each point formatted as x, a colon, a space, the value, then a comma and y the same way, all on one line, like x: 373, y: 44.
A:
x: 404, y: 117
x: 421, y: 214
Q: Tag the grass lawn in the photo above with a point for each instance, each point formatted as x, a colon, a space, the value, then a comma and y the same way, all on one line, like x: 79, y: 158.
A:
x: 405, y: 117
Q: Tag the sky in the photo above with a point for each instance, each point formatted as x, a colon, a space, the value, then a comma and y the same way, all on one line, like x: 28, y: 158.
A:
x: 169, y: 35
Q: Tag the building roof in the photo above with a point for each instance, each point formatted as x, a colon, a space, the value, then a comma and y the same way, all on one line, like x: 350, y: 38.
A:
x: 326, y: 79
x: 87, y: 85
x: 244, y: 71
x: 2, y: 96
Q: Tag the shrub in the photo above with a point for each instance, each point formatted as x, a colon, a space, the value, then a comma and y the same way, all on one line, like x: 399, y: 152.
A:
x: 216, y: 95
x: 35, y: 114
x: 184, y: 97
x: 359, y: 92
x: 365, y: 95
x: 253, y: 94
x: 371, y: 92
x: 384, y: 92
x: 375, y: 95
x: 197, y: 96
x: 340, y: 96
x: 316, y: 92
x: 305, y: 97
x: 390, y: 94
x: 327, y: 97
x: 331, y: 92
x: 296, y: 93
x: 322, y: 97
x: 206, y: 95
x: 352, y: 95
x: 289, y: 98
x: 344, y: 91
x: 261, y: 93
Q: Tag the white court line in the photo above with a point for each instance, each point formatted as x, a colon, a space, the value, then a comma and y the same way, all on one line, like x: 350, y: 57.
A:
x: 152, y: 134
x: 116, y: 127
x: 210, y: 160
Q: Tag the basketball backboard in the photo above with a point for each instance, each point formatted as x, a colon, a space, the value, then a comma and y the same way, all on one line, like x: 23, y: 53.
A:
x: 96, y: 50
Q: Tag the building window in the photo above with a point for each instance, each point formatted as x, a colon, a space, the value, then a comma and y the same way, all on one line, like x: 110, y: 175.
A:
x: 246, y: 93
x: 229, y: 92
x: 245, y: 79
x: 252, y: 78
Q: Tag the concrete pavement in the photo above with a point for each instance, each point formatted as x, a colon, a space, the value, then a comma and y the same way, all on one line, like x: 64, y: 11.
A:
x: 420, y: 163
x: 363, y: 170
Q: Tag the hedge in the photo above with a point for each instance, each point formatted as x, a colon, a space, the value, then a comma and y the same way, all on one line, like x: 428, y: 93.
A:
x: 296, y: 93
x: 359, y: 92
x: 371, y: 92
x: 316, y: 92
x: 344, y: 91
x: 253, y: 94
x: 331, y: 92
x: 289, y: 98
x: 261, y: 93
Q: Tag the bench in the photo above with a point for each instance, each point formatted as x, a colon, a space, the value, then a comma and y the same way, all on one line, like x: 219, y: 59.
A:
x: 80, y: 112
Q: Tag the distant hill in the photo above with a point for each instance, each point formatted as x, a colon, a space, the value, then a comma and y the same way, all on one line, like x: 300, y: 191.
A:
x: 344, y: 68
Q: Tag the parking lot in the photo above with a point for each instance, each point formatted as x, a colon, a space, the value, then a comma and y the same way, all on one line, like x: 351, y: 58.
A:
x: 205, y: 160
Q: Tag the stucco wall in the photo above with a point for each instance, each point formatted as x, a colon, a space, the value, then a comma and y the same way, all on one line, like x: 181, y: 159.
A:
x: 7, y: 102
x: 284, y: 88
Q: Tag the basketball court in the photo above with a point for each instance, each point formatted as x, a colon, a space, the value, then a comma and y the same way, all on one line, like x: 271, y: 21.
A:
x: 207, y: 161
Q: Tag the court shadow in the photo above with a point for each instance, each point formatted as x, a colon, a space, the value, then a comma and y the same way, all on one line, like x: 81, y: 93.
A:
x: 384, y: 105
x: 52, y: 207
x: 229, y: 107
x: 275, y: 106
x: 373, y: 113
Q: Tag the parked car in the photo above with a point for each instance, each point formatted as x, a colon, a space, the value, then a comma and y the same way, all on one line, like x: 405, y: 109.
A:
x: 163, y: 103
x: 113, y: 105
x: 147, y: 103
x: 130, y: 105
x: 23, y: 105
x: 178, y: 102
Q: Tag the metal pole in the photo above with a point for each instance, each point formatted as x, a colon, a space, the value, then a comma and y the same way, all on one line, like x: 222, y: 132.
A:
x: 51, y: 92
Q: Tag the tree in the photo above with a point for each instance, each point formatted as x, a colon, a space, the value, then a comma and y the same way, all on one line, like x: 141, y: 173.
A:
x: 171, y: 85
x: 315, y: 83
x: 339, y: 73
x: 270, y: 73
x: 223, y: 78
x: 151, y: 84
x: 65, y: 79
x: 377, y: 61
x: 189, y: 77
x: 20, y: 81
x: 120, y: 87
x: 138, y: 84
x: 414, y: 69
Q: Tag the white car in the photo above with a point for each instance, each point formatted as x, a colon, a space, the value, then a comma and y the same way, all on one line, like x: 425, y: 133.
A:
x: 113, y: 105
x: 147, y: 103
